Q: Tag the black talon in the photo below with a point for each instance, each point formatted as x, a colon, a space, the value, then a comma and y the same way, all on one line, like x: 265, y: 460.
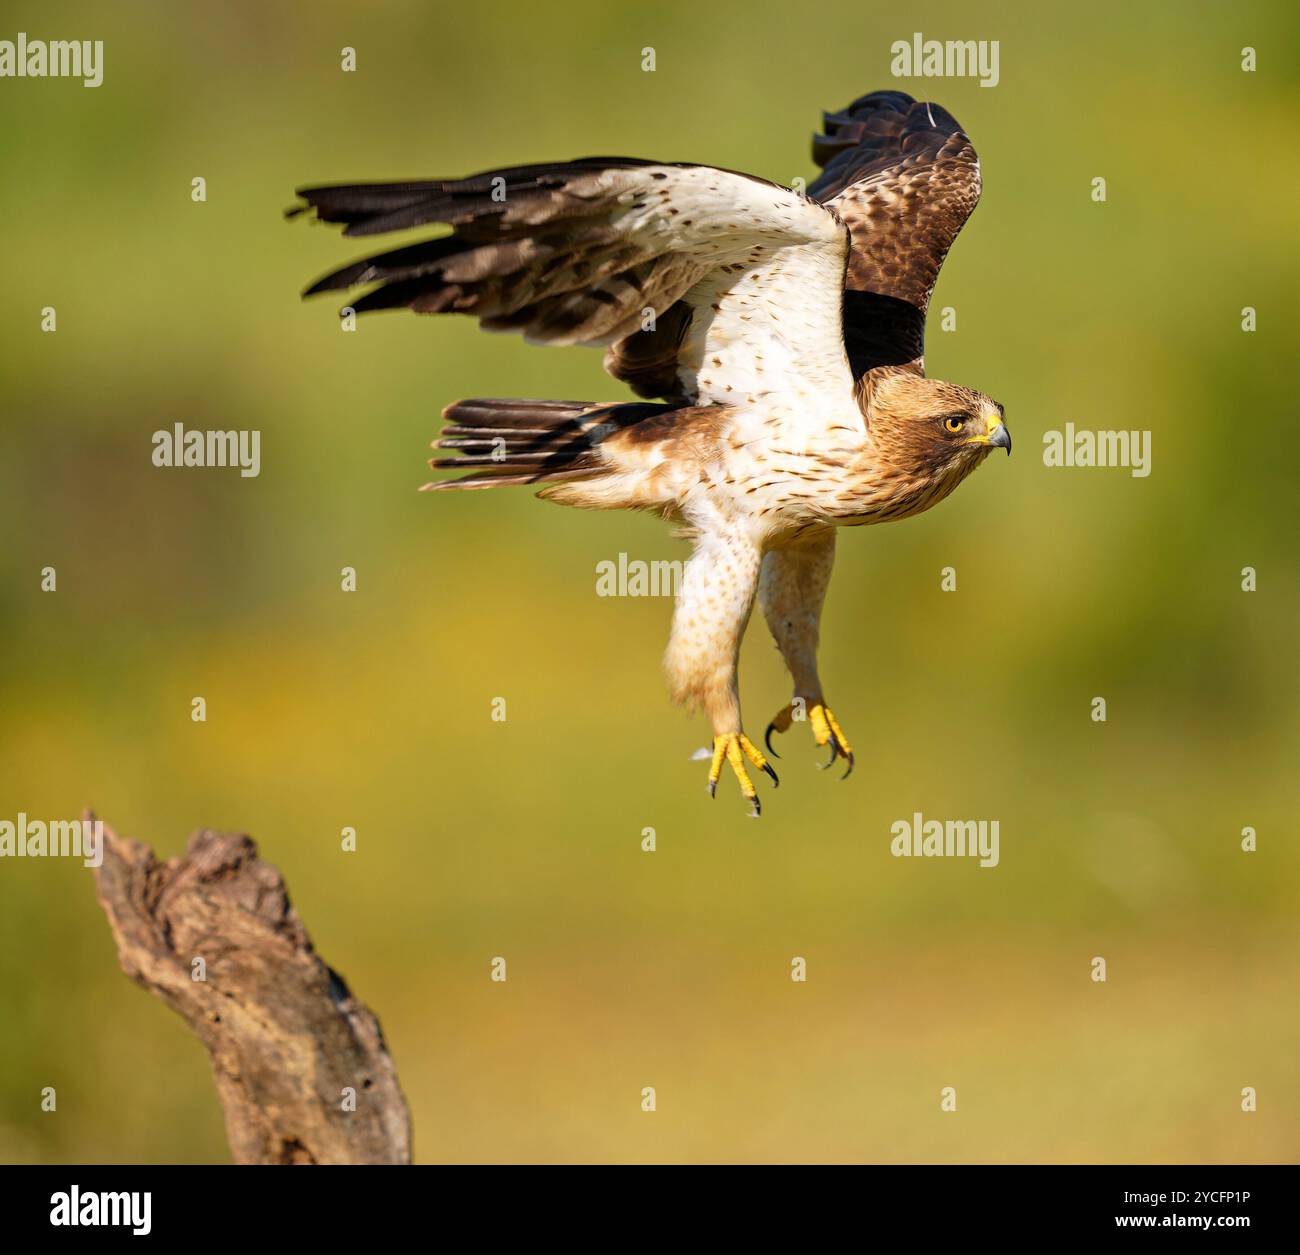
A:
x: 757, y: 812
x: 713, y: 788
x: 835, y: 753
x: 776, y: 780
x: 837, y: 750
x: 767, y: 739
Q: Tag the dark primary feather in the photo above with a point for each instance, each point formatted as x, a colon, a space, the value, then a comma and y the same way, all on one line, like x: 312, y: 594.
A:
x: 373, y: 208
x: 647, y: 360
x: 533, y: 248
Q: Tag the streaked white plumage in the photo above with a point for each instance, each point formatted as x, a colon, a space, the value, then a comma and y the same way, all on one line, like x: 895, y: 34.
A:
x: 784, y: 331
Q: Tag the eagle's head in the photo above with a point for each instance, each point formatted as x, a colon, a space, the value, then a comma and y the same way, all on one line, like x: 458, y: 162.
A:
x: 926, y: 427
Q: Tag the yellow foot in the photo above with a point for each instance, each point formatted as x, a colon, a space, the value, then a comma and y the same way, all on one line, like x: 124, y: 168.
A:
x: 826, y: 731
x: 735, y: 747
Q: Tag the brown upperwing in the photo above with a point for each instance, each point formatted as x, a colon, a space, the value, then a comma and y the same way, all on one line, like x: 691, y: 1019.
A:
x: 904, y: 178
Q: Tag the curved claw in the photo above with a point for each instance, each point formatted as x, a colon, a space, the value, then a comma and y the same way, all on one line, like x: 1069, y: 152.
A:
x: 838, y: 751
x: 827, y: 732
x: 780, y: 723
x: 735, y: 748
x: 767, y: 738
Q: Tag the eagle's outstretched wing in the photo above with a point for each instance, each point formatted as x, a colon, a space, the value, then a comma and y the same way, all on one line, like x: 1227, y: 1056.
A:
x: 904, y: 177
x: 707, y: 285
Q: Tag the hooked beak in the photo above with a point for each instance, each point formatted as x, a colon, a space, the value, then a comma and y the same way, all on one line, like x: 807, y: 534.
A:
x: 995, y: 435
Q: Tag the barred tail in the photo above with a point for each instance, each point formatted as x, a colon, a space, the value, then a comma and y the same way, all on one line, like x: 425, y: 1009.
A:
x: 505, y: 440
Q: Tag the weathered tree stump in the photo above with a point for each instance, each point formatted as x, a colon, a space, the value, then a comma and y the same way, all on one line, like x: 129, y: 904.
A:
x: 300, y: 1063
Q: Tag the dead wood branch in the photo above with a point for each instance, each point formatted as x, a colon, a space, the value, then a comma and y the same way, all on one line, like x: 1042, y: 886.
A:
x: 300, y: 1063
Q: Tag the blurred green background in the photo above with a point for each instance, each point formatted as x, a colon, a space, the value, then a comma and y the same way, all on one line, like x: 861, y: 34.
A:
x: 522, y: 838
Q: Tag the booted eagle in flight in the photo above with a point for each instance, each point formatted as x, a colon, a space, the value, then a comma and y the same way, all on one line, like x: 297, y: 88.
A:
x: 777, y: 336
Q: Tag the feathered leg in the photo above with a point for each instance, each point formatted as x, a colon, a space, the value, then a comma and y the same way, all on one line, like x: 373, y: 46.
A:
x: 713, y: 607
x: 792, y: 590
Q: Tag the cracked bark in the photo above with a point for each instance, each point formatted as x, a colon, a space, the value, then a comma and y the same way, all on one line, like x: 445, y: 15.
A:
x: 288, y: 1041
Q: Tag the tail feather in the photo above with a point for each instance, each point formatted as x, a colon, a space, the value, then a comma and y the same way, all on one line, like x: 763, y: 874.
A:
x: 491, y: 479
x: 507, y: 440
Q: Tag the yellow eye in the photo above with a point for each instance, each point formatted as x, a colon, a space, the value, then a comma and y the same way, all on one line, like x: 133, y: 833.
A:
x: 954, y: 425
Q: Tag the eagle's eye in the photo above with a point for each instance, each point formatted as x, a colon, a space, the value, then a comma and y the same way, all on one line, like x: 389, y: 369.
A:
x: 954, y: 424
